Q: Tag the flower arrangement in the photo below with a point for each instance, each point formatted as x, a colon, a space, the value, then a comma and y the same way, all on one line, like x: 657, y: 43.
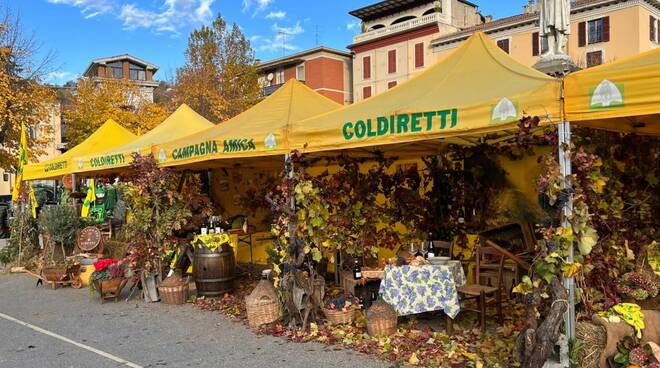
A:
x: 638, y: 285
x: 630, y: 353
x: 107, y: 269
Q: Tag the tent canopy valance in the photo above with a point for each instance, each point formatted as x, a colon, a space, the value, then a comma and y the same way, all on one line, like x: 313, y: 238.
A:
x: 182, y: 122
x: 477, y: 89
x: 259, y: 131
x: 621, y: 96
x: 109, y: 135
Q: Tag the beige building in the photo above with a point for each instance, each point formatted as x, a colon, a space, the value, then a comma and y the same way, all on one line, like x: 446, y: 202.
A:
x: 395, y: 42
x: 401, y: 37
x: 601, y: 31
x: 51, y: 131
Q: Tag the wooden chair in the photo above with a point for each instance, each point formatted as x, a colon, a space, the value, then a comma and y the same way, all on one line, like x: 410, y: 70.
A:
x: 445, y: 245
x: 487, y: 290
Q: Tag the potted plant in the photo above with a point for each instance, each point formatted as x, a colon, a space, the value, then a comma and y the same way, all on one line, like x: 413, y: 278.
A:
x: 159, y: 209
x: 640, y: 287
x: 108, y: 278
x: 60, y: 225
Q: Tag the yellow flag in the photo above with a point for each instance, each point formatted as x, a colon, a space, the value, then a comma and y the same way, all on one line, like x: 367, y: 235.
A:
x: 33, y: 202
x: 91, y: 196
x: 22, y: 161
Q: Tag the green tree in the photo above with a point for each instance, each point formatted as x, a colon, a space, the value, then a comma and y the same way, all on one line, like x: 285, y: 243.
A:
x: 219, y: 79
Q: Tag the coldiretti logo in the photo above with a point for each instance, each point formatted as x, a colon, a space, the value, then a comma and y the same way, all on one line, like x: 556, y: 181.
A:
x: 55, y: 166
x: 400, y: 124
x: 108, y: 160
x: 607, y: 94
x: 238, y: 145
x: 194, y: 150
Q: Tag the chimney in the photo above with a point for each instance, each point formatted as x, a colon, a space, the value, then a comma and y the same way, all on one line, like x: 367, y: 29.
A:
x: 488, y: 18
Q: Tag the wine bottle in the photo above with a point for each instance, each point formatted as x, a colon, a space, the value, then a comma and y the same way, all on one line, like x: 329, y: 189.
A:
x: 357, y: 271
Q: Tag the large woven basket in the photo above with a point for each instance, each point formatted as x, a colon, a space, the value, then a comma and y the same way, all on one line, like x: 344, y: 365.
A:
x: 381, y: 319
x: 174, y: 294
x: 262, y: 304
x: 338, y: 317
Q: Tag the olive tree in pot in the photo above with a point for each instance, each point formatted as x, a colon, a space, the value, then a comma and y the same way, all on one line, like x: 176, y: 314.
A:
x: 60, y: 225
x: 154, y: 198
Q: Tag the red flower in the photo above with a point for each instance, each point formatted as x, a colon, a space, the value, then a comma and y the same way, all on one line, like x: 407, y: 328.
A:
x: 104, y: 263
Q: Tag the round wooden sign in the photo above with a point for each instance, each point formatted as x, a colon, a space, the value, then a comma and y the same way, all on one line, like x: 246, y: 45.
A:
x: 67, y: 181
x: 89, y: 238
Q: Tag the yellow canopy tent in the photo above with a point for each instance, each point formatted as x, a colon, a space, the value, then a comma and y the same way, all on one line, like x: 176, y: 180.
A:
x: 259, y: 131
x: 621, y: 96
x: 109, y: 135
x: 182, y: 122
x: 477, y: 89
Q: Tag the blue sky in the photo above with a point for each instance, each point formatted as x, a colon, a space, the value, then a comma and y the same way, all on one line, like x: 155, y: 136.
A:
x: 77, y: 31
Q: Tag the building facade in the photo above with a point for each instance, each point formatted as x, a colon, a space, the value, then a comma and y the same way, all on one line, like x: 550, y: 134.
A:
x: 51, y: 132
x: 602, y: 31
x: 323, y: 69
x: 395, y: 42
x: 128, y: 68
x: 400, y: 38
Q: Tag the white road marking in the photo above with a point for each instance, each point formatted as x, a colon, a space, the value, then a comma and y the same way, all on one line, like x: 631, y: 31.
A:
x: 82, y: 346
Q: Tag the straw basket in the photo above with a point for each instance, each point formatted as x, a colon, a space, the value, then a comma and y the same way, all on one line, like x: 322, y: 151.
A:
x: 338, y: 317
x: 381, y: 319
x: 174, y: 294
x: 262, y: 305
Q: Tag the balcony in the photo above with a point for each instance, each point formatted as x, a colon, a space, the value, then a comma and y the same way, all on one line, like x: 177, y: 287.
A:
x: 269, y: 90
x: 399, y: 27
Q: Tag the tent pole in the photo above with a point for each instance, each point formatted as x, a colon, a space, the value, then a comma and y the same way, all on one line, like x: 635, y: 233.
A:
x: 565, y: 168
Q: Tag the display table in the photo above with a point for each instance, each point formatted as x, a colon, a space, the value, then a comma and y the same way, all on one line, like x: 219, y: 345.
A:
x: 418, y: 289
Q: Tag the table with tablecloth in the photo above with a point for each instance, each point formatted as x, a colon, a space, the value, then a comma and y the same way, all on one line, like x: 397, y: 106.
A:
x: 426, y: 288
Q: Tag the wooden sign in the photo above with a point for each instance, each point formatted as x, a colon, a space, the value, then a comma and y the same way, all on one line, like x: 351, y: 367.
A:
x: 89, y: 238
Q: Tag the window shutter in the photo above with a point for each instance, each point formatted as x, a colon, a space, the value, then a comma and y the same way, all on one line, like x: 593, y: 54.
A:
x: 594, y: 58
x: 419, y: 55
x: 391, y: 61
x: 582, y: 34
x: 366, y: 67
x: 504, y: 45
x: 366, y: 92
x: 535, y: 44
x: 652, y: 27
x: 606, y: 29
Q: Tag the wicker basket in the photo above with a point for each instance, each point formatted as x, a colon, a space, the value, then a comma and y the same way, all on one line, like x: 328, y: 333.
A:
x: 177, y: 294
x: 338, y: 317
x: 262, y: 304
x: 381, y: 319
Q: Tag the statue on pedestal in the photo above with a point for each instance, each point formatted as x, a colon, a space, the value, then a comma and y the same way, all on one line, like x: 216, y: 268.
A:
x: 555, y: 25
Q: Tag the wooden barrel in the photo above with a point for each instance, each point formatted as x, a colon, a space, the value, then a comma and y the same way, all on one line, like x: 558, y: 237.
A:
x: 214, y: 271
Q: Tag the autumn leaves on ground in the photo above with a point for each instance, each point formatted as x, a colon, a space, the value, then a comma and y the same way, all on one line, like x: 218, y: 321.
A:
x: 415, y: 343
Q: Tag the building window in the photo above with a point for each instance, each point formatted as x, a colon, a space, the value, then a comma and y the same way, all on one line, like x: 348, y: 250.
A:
x: 594, y: 58
x: 136, y: 72
x: 280, y: 76
x: 5, y: 177
x: 391, y: 84
x: 539, y: 44
x: 504, y: 45
x: 366, y: 92
x: 116, y: 70
x: 391, y: 61
x: 419, y: 55
x: 300, y: 72
x: 652, y: 33
x: 595, y: 31
x: 366, y: 67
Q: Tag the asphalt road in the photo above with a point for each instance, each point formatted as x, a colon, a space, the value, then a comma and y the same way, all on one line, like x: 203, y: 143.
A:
x: 137, y: 334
